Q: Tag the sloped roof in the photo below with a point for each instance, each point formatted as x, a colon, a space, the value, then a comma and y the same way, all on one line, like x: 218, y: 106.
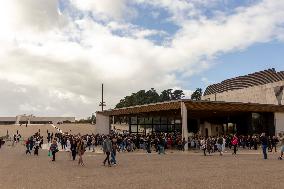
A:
x: 195, y: 106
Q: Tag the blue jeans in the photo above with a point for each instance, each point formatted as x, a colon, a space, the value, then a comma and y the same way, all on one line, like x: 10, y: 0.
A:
x: 113, y: 160
x: 122, y: 147
x: 161, y: 149
x: 264, y: 151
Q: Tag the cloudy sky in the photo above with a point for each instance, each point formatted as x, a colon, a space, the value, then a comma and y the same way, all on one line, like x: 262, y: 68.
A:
x: 54, y: 54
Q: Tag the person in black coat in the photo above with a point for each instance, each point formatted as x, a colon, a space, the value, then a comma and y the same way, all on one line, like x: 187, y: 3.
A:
x: 264, y: 144
x: 73, y: 149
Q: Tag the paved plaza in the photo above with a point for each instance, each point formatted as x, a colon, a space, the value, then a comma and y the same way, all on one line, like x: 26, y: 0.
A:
x: 140, y: 170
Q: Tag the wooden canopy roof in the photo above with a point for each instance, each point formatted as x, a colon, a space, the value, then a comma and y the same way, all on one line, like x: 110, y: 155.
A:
x: 195, y: 106
x: 171, y: 105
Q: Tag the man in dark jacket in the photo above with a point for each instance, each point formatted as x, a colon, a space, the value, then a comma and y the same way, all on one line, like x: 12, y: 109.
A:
x: 264, y: 144
x: 107, y: 148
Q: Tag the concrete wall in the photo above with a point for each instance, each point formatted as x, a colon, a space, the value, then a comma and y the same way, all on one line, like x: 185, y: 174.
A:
x: 55, y: 120
x: 8, y: 119
x: 263, y: 94
x: 102, y: 124
x: 211, y: 129
x: 279, y: 122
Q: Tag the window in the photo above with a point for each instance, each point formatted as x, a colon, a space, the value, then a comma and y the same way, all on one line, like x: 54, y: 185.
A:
x: 134, y: 128
x: 133, y: 120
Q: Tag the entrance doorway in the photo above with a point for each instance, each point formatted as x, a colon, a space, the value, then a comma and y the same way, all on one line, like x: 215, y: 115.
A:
x: 206, y: 132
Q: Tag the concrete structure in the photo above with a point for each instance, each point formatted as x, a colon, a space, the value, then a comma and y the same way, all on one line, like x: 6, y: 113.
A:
x: 265, y: 87
x: 30, y: 119
x: 102, y: 124
x: 263, y: 94
x: 279, y: 122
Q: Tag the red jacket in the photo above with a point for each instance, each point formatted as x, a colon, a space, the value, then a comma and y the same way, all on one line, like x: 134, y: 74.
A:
x: 235, y: 141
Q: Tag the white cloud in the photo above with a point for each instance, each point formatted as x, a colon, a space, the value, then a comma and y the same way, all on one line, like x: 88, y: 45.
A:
x: 133, y: 31
x: 39, y: 15
x: 54, y: 63
x: 106, y: 9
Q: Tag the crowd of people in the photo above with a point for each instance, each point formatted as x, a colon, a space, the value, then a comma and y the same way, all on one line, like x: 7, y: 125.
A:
x: 212, y: 144
x: 77, y: 145
x: 34, y: 143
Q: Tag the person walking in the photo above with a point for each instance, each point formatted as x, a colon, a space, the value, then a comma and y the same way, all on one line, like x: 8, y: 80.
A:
x: 93, y: 144
x: 281, y: 140
x: 274, y: 143
x: 161, y: 144
x: 81, y: 150
x: 264, y: 144
x: 36, y: 147
x: 224, y: 144
x: 107, y: 147
x: 148, y: 144
x: 28, y: 146
x: 113, y: 153
x: 203, y: 145
x: 219, y: 145
x: 235, y: 142
x: 255, y: 142
x: 209, y: 145
x: 53, y: 149
x: 73, y: 149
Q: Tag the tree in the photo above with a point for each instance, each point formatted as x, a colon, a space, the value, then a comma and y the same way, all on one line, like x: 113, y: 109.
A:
x: 151, y: 96
x: 166, y: 95
x: 177, y: 94
x: 197, y: 94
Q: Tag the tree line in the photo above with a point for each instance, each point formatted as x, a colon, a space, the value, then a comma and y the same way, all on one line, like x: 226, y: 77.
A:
x: 152, y: 96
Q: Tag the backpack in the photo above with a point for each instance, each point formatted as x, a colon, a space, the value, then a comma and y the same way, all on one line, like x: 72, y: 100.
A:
x: 235, y: 141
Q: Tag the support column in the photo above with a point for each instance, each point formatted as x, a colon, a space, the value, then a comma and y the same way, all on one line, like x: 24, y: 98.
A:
x: 112, y: 123
x: 184, y: 123
x: 279, y: 122
x: 102, y: 124
x: 129, y: 124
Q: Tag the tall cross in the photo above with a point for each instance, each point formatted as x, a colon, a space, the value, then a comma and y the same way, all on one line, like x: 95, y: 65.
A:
x: 102, y: 103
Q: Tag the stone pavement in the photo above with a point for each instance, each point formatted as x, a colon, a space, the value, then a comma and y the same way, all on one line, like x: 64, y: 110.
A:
x: 139, y: 170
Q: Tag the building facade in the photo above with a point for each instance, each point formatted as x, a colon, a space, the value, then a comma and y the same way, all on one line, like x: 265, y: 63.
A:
x: 245, y: 105
x: 265, y: 87
x: 206, y: 118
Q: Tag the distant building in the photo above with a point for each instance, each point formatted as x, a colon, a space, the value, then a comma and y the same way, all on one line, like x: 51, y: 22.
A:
x: 264, y: 87
x: 30, y: 119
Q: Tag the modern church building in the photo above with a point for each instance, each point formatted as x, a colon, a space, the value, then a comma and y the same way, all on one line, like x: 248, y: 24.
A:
x: 265, y: 87
x: 248, y: 104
